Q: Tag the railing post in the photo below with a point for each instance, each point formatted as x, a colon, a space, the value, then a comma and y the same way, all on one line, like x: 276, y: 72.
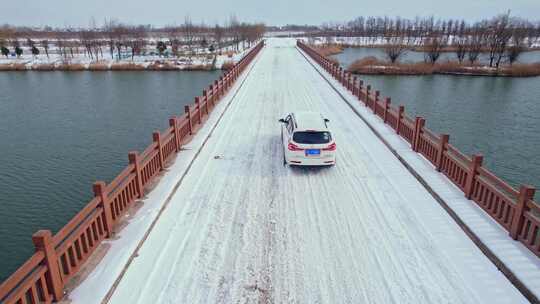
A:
x: 441, y: 150
x: 43, y: 242
x: 100, y: 190
x: 173, y: 122
x: 133, y: 157
x: 198, y: 107
x: 156, y: 137
x: 212, y: 95
x: 401, y: 110
x: 387, y: 102
x: 220, y: 86
x: 476, y: 163
x: 190, y: 124
x: 368, y: 95
x: 360, y: 84
x: 355, y: 79
x: 418, y: 124
x: 215, y: 92
x: 526, y: 193
x: 376, y: 101
x: 205, y: 98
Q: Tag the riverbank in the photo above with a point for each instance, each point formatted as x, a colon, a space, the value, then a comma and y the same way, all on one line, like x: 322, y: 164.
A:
x: 422, y: 48
x: 81, y: 62
x: 374, y: 66
x: 329, y: 49
x: 381, y: 42
x: 108, y: 66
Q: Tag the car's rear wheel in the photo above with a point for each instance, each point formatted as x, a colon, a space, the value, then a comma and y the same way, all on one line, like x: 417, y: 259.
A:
x: 284, y: 158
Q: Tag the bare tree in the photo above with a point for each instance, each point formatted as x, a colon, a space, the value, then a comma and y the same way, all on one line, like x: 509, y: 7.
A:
x: 60, y: 47
x: 136, y: 47
x: 474, y: 44
x: 517, y: 46
x: 243, y: 30
x: 234, y: 27
x: 86, y: 41
x: 188, y: 30
x: 35, y: 51
x: 395, y: 47
x: 460, y: 48
x: 498, y: 37
x: 219, y: 33
x: 434, y: 47
x: 45, y: 45
x: 109, y: 31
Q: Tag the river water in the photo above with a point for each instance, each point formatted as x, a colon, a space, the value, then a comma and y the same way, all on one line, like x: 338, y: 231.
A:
x: 496, y: 116
x: 61, y: 131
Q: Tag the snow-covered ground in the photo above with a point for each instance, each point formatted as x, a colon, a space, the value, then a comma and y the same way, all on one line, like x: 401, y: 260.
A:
x: 517, y: 258
x: 199, y: 57
x: 282, y: 33
x: 243, y: 228
x: 370, y: 41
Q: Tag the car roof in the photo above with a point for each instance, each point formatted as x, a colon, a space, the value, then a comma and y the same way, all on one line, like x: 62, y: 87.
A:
x: 309, y: 121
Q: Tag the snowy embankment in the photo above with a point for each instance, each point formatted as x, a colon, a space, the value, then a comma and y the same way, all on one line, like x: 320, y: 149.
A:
x: 200, y: 60
x: 241, y: 227
x: 374, y: 41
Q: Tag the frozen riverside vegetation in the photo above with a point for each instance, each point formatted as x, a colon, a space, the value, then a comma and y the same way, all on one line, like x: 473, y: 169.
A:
x: 242, y: 228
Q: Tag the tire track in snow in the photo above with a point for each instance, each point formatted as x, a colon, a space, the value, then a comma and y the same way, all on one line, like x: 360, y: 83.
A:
x: 395, y: 225
x: 443, y: 267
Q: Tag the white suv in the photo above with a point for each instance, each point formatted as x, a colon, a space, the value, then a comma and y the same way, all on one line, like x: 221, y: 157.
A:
x: 307, y: 141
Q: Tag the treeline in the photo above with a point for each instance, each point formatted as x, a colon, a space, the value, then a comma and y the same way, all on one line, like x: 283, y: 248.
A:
x: 114, y: 38
x: 503, y: 37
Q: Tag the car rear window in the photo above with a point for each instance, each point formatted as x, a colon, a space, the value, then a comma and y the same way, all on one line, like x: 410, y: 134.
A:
x: 307, y: 137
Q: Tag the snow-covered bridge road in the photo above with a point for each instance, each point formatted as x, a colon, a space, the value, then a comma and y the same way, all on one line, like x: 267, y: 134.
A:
x: 242, y: 228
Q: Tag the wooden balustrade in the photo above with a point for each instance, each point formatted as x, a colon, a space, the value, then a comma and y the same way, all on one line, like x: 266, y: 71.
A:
x: 514, y: 210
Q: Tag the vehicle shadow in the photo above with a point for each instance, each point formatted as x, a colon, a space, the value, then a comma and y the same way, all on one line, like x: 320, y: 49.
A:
x: 307, y: 170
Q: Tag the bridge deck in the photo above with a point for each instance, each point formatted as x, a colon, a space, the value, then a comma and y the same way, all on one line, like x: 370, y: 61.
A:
x: 241, y: 227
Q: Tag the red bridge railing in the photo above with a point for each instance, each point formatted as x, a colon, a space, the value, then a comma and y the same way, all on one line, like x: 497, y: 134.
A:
x: 515, y: 210
x: 58, y: 258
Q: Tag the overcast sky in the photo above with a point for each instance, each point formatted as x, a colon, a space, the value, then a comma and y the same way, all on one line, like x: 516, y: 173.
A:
x: 271, y: 12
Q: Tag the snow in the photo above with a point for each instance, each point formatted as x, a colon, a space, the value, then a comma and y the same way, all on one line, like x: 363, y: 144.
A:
x: 201, y: 57
x: 379, y: 40
x: 520, y: 260
x: 241, y: 227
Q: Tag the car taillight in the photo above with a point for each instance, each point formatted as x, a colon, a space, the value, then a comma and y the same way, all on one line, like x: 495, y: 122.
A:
x: 293, y: 147
x: 332, y: 147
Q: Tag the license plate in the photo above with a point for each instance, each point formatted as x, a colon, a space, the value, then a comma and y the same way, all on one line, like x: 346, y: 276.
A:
x: 313, y: 152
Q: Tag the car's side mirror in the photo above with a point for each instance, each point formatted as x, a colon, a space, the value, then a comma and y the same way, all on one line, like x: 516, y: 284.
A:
x: 282, y: 120
x: 326, y: 120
